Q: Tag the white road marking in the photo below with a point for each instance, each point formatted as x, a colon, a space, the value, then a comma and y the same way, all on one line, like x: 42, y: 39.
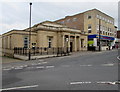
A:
x: 30, y: 67
x: 25, y: 65
x: 4, y: 67
x: 65, y: 65
x: 98, y: 52
x: 7, y: 69
x: 43, y: 62
x: 12, y: 67
x: 102, y: 82
x: 87, y: 82
x: 67, y: 56
x: 50, y: 66
x: 107, y: 82
x: 107, y: 64
x: 118, y: 58
x: 61, y: 57
x: 39, y: 63
x: 85, y: 65
x: 34, y: 64
x: 18, y: 68
x: 21, y: 66
x: 40, y: 60
x: 19, y: 87
x: 40, y: 67
x: 99, y: 82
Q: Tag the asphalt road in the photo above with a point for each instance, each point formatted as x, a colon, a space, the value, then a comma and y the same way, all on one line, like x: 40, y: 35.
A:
x: 97, y: 71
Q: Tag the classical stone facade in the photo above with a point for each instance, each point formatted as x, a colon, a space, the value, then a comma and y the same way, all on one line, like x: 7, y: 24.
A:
x: 46, y: 34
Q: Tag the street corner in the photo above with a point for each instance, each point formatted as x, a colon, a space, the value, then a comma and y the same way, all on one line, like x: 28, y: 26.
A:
x: 7, y: 60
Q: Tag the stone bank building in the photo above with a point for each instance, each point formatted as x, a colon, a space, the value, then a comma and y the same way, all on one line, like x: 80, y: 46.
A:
x: 48, y: 37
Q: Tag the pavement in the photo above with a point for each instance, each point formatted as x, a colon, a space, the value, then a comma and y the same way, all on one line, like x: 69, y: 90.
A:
x: 85, y: 71
x: 9, y: 60
x: 12, y: 62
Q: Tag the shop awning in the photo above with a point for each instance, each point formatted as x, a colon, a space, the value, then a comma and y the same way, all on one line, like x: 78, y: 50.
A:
x: 102, y: 37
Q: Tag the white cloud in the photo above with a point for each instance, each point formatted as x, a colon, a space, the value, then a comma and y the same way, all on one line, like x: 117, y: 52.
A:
x: 15, y: 15
x: 8, y: 27
x: 59, y: 0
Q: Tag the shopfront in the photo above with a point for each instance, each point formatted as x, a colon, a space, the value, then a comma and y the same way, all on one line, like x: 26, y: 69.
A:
x: 106, y: 42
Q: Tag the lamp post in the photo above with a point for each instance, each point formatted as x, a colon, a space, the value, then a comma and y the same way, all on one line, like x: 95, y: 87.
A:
x: 99, y: 35
x: 30, y: 34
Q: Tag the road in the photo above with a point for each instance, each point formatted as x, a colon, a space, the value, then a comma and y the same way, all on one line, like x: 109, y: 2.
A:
x: 95, y: 71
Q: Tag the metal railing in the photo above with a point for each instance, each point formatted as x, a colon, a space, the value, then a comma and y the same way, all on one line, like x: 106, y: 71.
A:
x: 42, y: 51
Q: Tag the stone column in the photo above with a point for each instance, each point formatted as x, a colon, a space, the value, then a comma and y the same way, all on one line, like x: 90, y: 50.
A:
x: 75, y: 44
x: 69, y: 41
x: 78, y: 43
x: 60, y: 40
x: 63, y: 41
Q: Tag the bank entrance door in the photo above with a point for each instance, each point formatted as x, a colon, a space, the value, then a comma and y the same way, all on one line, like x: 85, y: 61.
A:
x: 71, y: 46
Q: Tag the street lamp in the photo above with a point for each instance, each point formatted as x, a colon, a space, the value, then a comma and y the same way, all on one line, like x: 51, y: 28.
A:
x: 99, y: 35
x: 30, y: 34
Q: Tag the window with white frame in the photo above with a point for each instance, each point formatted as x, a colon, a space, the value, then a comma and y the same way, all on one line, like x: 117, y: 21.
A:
x: 111, y: 22
x: 100, y: 27
x: 89, y: 28
x: 7, y: 42
x: 106, y: 33
x: 103, y: 18
x: 74, y: 19
x: 68, y: 20
x: 82, y: 43
x: 50, y: 42
x: 74, y: 27
x: 97, y: 27
x: 103, y: 32
x: 110, y: 29
x: 89, y: 16
x: 62, y: 22
x: 103, y: 28
x: 97, y: 16
x: 26, y: 42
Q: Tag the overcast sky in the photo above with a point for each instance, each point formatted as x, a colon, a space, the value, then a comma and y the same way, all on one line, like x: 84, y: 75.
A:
x: 15, y: 15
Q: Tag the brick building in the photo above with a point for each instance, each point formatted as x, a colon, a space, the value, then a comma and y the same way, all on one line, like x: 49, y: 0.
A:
x: 91, y: 22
